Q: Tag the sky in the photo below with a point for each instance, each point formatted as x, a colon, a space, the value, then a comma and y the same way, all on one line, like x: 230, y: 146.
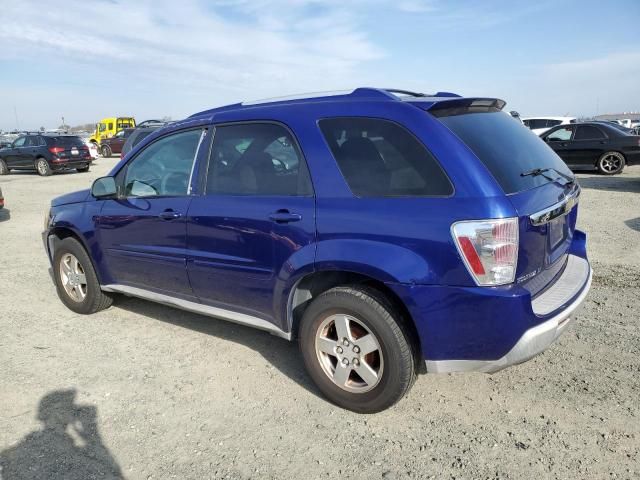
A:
x: 89, y: 59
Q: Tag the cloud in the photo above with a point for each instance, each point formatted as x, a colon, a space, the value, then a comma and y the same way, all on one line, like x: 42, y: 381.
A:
x: 223, y: 45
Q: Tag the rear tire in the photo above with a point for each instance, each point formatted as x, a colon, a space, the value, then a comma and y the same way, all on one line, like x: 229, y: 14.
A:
x: 42, y: 167
x: 106, y: 151
x: 356, y: 350
x: 611, y: 163
x: 76, y: 280
x: 4, y: 170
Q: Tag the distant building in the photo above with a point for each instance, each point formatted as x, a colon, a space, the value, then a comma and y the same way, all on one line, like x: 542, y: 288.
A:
x: 634, y: 117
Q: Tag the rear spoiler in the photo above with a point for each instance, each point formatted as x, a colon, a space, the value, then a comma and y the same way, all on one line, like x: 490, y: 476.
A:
x: 445, y: 107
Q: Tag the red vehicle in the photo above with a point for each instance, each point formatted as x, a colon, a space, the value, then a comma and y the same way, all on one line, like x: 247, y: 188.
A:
x: 114, y: 144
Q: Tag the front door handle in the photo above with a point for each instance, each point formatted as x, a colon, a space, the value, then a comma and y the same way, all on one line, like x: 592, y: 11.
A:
x: 169, y: 215
x: 285, y: 216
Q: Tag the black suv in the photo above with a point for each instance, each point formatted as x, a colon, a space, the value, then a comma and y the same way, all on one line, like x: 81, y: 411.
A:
x: 45, y: 154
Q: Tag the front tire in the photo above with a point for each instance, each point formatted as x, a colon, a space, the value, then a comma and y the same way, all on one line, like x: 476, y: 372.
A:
x: 76, y: 280
x: 4, y: 170
x: 42, y: 167
x: 611, y: 163
x: 356, y: 350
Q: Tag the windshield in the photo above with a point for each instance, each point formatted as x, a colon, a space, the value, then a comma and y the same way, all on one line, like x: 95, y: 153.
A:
x: 507, y: 148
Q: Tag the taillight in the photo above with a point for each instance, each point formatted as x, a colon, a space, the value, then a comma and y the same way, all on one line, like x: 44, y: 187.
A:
x: 489, y: 249
x: 56, y: 150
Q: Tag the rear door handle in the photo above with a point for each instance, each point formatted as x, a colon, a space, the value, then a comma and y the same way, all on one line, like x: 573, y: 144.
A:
x: 169, y: 215
x: 285, y: 216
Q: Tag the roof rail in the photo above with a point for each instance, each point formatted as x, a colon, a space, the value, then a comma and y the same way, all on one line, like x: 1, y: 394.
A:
x: 406, y: 92
x: 409, y: 93
x: 356, y: 93
x: 152, y: 122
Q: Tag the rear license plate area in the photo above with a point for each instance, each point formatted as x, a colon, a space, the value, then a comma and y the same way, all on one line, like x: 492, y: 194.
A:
x: 74, y: 151
x: 557, y: 231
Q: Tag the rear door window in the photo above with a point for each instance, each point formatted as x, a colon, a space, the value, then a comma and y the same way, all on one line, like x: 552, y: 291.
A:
x: 379, y: 158
x: 587, y: 132
x: 505, y: 148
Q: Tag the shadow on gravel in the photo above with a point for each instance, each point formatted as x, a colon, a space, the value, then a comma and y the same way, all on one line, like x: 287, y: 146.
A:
x: 68, y: 446
x: 282, y: 354
x: 612, y: 184
x: 633, y: 224
x: 5, y: 214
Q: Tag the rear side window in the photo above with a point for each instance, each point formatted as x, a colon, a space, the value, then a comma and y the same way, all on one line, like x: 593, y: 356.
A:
x: 587, y: 132
x: 256, y: 159
x: 379, y: 158
x: 507, y: 150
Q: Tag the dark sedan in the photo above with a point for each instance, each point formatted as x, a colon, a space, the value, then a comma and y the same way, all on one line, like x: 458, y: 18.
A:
x: 594, y: 145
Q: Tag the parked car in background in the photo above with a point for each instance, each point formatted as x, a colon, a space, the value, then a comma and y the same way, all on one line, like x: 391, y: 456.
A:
x: 93, y: 149
x: 7, y: 139
x: 112, y: 145
x: 45, y: 154
x: 142, y: 131
x: 380, y: 231
x: 539, y: 125
x: 625, y: 122
x: 594, y: 145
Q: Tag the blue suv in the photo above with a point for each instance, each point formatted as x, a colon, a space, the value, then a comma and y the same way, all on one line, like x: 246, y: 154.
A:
x: 389, y: 232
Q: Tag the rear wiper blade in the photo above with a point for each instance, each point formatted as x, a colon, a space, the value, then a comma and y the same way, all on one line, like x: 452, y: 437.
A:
x: 541, y: 171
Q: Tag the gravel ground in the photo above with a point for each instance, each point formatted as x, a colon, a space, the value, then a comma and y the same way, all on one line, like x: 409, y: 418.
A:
x: 145, y: 391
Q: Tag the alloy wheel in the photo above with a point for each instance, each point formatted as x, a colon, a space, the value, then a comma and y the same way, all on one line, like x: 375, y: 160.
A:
x: 349, y: 353
x: 42, y: 167
x: 611, y: 163
x: 73, y: 278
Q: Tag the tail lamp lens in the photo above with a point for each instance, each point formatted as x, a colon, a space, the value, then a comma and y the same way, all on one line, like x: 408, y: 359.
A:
x: 489, y: 249
x: 56, y: 150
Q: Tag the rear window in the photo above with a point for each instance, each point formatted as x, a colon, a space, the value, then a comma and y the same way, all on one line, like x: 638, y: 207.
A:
x: 506, y: 148
x: 379, y: 158
x: 66, y: 141
x: 141, y: 136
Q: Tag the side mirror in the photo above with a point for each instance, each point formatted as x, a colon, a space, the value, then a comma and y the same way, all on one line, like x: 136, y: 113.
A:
x: 104, y: 187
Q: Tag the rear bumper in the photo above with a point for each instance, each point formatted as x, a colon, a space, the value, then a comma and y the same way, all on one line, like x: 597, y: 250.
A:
x: 69, y: 164
x: 533, y: 342
x: 632, y: 158
x: 486, y: 329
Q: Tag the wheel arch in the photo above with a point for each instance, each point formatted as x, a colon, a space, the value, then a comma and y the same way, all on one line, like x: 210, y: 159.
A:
x: 315, y: 283
x: 61, y: 232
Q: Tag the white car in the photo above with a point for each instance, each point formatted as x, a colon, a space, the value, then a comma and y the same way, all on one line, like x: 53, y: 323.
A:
x: 539, y: 125
x: 93, y: 149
